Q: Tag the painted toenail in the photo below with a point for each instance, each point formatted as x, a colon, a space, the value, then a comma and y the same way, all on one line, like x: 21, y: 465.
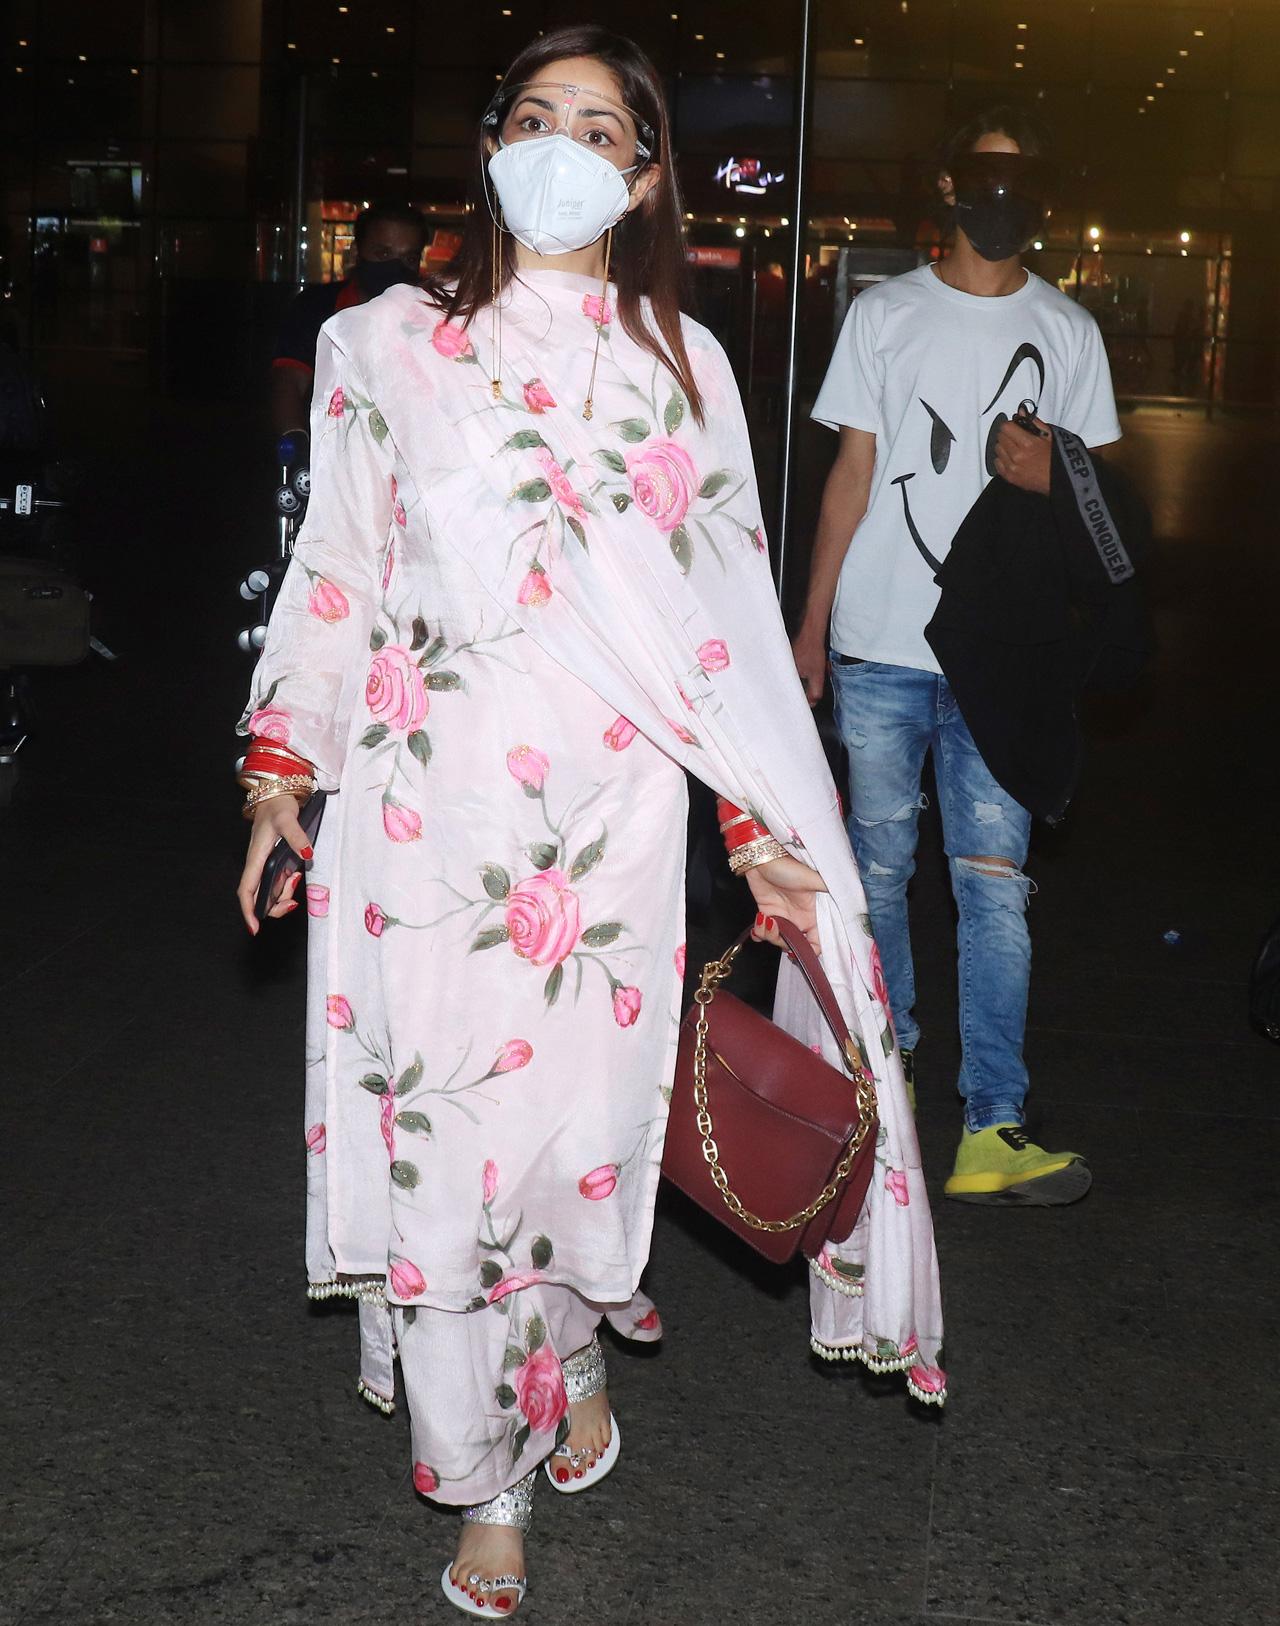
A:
x: 562, y: 1476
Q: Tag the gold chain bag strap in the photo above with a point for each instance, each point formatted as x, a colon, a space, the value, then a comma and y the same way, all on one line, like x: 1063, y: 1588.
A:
x: 798, y: 1135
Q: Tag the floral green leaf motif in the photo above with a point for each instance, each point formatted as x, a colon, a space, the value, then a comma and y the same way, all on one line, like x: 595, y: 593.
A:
x: 374, y: 735
x: 535, y: 1334
x: 419, y: 634
x: 673, y: 417
x: 531, y: 491
x: 540, y: 1252
x: 411, y: 1077
x: 611, y: 459
x: 575, y: 525
x: 477, y: 1303
x: 682, y: 549
x: 495, y: 880
x: 865, y: 922
x: 887, y: 1041
x: 621, y: 501
x: 489, y: 938
x: 405, y: 1175
x: 851, y: 1273
x: 419, y: 742
x: 434, y: 650
x: 863, y: 1055
x: 512, y: 1357
x: 443, y: 682
x: 518, y: 1442
x: 587, y: 859
x: 409, y: 1315
x: 633, y: 430
x: 505, y: 1395
x: 490, y: 1273
x: 416, y: 1123
x: 270, y: 695
x: 531, y: 791
x: 714, y: 483
x: 377, y: 426
x: 376, y: 639
x: 551, y: 992
x: 543, y: 854
x: 602, y: 935
x: 886, y: 1350
x: 374, y: 1083
x: 524, y: 441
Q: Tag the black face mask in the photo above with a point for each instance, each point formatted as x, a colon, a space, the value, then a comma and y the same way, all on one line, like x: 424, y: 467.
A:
x: 374, y: 277
x: 1000, y: 200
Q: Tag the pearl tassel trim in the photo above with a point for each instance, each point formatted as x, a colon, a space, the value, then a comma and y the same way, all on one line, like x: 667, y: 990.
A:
x: 368, y: 1292
x: 386, y: 1407
x: 874, y: 1364
x: 837, y: 1284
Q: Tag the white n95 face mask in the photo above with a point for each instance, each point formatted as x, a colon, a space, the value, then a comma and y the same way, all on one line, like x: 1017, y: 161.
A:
x: 556, y: 194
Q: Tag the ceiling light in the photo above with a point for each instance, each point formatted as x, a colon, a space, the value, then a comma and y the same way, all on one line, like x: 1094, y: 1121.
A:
x: 22, y: 42
x: 1183, y: 252
x: 134, y: 71
x: 1019, y: 46
x: 1198, y: 32
x: 1022, y: 26
x: 390, y: 29
x: 336, y: 60
x: 739, y: 231
x: 719, y: 56
x: 688, y: 217
x: 675, y: 16
x: 859, y: 42
x: 1184, y: 236
x: 1151, y: 98
x: 1095, y: 232
x: 82, y: 59
x: 373, y: 74
x: 1142, y: 110
x: 1019, y: 64
x: 291, y: 46
x: 1097, y: 248
x: 19, y: 69
x: 1184, y: 53
x: 1159, y: 84
x: 767, y: 232
x: 784, y: 221
x: 344, y: 8
x: 1037, y: 244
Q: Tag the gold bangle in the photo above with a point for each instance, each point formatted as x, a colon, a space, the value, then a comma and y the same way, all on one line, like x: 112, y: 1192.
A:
x: 755, y: 852
x: 299, y: 786
x: 742, y: 818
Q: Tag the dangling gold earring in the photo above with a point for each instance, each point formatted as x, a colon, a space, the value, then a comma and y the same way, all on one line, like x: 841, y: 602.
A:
x: 495, y: 313
x: 589, y: 405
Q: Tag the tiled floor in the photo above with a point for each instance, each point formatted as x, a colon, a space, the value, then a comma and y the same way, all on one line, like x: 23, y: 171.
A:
x: 181, y: 1438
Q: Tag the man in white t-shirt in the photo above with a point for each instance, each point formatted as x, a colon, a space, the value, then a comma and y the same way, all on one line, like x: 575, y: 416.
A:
x: 928, y: 371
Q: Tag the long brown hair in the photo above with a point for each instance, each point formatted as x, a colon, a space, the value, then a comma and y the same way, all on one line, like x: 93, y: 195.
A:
x: 648, y: 243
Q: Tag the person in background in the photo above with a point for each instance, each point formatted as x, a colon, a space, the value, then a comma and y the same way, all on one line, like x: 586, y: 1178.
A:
x: 389, y: 242
x: 929, y: 369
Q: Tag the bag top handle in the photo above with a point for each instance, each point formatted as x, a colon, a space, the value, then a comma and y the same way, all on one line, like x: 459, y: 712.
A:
x: 799, y: 947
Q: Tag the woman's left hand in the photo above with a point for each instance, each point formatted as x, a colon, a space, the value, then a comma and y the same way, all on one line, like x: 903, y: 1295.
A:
x: 786, y: 889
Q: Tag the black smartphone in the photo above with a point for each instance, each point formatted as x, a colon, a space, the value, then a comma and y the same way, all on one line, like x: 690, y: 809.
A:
x: 282, y: 860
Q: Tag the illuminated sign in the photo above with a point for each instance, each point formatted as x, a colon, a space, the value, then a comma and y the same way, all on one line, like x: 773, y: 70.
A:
x: 747, y: 175
x: 717, y: 259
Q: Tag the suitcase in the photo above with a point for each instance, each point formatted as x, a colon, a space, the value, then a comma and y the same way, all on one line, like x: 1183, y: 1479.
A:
x: 44, y: 615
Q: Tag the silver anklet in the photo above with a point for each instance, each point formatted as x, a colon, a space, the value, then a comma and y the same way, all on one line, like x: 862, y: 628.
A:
x: 584, y: 1373
x: 512, y: 1507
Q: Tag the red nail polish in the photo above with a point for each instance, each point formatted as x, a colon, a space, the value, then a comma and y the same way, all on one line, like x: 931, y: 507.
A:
x: 308, y: 853
x: 769, y: 923
x: 759, y: 919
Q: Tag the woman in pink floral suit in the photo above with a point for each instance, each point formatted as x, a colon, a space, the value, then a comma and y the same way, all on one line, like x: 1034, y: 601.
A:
x: 532, y: 593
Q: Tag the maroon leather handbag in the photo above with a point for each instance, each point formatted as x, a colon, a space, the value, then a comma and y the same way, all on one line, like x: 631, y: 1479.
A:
x: 763, y: 1134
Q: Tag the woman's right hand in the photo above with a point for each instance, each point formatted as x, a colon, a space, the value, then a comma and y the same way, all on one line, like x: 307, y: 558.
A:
x: 276, y: 817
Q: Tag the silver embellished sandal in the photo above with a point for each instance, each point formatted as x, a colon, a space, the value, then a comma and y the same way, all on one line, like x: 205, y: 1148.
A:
x: 514, y: 1509
x: 584, y: 1376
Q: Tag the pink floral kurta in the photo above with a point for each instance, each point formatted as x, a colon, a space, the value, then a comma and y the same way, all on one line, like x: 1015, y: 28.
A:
x: 505, y: 633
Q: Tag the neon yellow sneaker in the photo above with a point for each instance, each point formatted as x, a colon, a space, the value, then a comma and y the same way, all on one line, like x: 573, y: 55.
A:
x: 1000, y: 1165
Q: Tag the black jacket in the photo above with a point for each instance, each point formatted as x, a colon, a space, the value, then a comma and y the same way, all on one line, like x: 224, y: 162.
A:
x: 1039, y: 598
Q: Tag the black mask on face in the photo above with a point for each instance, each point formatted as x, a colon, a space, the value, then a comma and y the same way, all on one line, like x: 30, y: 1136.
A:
x: 999, y: 201
x: 374, y: 277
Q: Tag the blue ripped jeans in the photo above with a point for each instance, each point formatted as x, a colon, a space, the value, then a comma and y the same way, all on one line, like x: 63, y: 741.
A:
x: 889, y: 717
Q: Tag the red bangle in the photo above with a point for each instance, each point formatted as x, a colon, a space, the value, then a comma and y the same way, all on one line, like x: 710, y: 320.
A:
x: 738, y: 829
x: 266, y: 756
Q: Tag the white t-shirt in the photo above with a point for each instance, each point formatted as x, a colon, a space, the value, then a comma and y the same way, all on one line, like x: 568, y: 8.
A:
x: 928, y: 370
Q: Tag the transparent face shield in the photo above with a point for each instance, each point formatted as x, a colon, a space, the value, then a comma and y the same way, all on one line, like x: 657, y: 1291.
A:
x: 542, y: 108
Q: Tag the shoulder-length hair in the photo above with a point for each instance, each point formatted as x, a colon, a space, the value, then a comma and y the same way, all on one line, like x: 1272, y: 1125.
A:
x: 648, y: 259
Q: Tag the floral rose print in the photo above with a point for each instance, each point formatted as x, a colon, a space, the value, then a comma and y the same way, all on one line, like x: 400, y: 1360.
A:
x: 680, y: 731
x: 489, y: 1181
x: 515, y: 1283
x: 895, y: 1183
x: 394, y: 690
x: 598, y: 308
x: 680, y: 959
x: 400, y: 823
x: 327, y: 602
x: 387, y: 1122
x: 316, y: 1139
x: 389, y: 566
x: 516, y: 1053
x: 757, y: 538
x: 663, y: 482
x: 540, y: 1393
x: 879, y: 987
x: 375, y: 921
x: 337, y: 404
x: 626, y: 1006
x: 600, y: 1183
x: 561, y: 488
x: 426, y: 1481
x: 535, y: 590
x: 910, y: 1347
x: 397, y: 507
x: 406, y: 1279
x: 713, y: 656
x: 619, y: 734
x: 931, y: 1380
x: 338, y: 1013
x: 270, y: 723
x: 537, y: 397
x: 452, y: 341
x: 543, y: 918
x: 317, y: 900
x: 528, y: 767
